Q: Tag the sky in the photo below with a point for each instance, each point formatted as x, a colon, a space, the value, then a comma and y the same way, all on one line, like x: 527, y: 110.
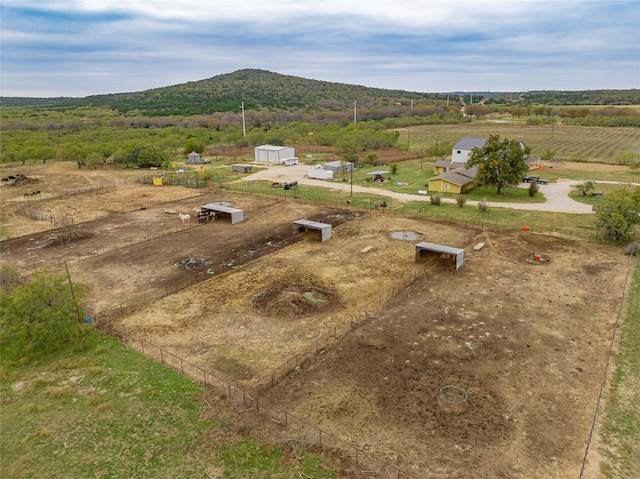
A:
x: 77, y: 48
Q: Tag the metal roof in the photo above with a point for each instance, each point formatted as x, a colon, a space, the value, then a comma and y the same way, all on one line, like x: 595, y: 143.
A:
x: 378, y: 172
x: 439, y: 248
x: 271, y: 147
x: 221, y: 208
x: 469, y: 143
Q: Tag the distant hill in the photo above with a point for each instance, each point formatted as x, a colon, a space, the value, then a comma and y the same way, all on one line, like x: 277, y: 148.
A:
x: 263, y: 90
x: 258, y: 89
x: 571, y: 98
x: 27, y: 101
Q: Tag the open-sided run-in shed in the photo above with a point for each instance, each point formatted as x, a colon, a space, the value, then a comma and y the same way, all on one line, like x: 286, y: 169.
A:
x: 430, y: 249
x: 303, y: 225
x: 237, y: 216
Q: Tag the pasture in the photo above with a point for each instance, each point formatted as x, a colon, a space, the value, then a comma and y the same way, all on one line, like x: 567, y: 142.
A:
x: 523, y: 339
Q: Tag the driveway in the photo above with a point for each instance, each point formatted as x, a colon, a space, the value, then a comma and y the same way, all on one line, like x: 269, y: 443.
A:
x: 557, y: 194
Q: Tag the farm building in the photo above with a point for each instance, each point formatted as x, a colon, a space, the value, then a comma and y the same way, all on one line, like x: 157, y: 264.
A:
x: 457, y: 180
x: 442, y: 166
x: 273, y: 154
x: 241, y: 168
x: 425, y: 250
x: 193, y: 158
x: 338, y: 166
x: 461, y: 151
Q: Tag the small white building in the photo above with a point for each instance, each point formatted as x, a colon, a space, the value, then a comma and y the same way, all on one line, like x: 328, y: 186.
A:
x: 461, y: 151
x: 338, y: 166
x: 273, y: 154
x: 193, y: 158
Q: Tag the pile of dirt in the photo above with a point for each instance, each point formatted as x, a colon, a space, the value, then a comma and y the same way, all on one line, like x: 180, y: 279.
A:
x: 67, y: 237
x: 291, y: 300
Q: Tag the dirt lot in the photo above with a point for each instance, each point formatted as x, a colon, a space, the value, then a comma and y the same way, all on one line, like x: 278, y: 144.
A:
x: 522, y: 341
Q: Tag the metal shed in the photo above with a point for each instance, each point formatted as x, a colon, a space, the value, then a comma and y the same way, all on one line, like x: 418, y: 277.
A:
x: 193, y: 157
x: 273, y: 154
x: 303, y: 225
x: 431, y: 249
x: 338, y: 166
x: 237, y: 216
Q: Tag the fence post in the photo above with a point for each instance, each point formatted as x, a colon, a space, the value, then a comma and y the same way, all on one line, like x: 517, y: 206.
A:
x: 161, y: 357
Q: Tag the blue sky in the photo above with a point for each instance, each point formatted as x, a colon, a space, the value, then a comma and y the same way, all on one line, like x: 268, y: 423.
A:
x: 84, y: 47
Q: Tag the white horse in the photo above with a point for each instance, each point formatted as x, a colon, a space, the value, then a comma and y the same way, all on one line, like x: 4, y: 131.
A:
x: 185, y: 218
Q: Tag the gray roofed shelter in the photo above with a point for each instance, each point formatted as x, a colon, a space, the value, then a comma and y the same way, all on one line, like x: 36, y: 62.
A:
x: 431, y: 249
x: 237, y: 216
x: 338, y: 166
x: 303, y: 225
x: 378, y: 172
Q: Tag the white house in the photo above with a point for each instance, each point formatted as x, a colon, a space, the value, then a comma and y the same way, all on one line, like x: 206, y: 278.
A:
x: 273, y: 154
x: 462, y: 150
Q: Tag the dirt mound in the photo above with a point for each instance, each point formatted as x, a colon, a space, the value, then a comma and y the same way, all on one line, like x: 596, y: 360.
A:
x: 291, y: 300
x: 67, y: 237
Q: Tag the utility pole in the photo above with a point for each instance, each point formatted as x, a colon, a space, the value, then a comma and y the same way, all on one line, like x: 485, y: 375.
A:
x: 355, y: 110
x: 351, y: 179
x: 244, y: 129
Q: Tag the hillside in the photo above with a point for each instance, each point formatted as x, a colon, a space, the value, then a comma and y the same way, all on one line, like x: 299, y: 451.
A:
x: 267, y: 91
x: 258, y: 89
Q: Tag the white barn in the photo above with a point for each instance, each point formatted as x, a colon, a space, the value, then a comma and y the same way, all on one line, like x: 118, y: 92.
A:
x: 274, y: 154
x: 461, y: 151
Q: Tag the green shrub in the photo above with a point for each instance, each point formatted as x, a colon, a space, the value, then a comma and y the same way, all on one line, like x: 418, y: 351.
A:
x: 436, y: 199
x: 461, y: 201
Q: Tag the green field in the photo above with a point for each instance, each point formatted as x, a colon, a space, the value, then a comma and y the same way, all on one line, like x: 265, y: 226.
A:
x: 112, y: 412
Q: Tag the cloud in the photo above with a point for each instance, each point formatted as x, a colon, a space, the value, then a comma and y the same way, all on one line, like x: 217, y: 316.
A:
x: 82, y: 47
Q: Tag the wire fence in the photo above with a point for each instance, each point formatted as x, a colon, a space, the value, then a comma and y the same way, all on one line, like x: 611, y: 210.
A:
x: 432, y: 214
x: 298, y: 430
x: 59, y: 261
x: 29, y: 207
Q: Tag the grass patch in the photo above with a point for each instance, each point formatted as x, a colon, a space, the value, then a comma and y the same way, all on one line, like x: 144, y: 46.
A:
x: 621, y: 431
x: 111, y: 411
